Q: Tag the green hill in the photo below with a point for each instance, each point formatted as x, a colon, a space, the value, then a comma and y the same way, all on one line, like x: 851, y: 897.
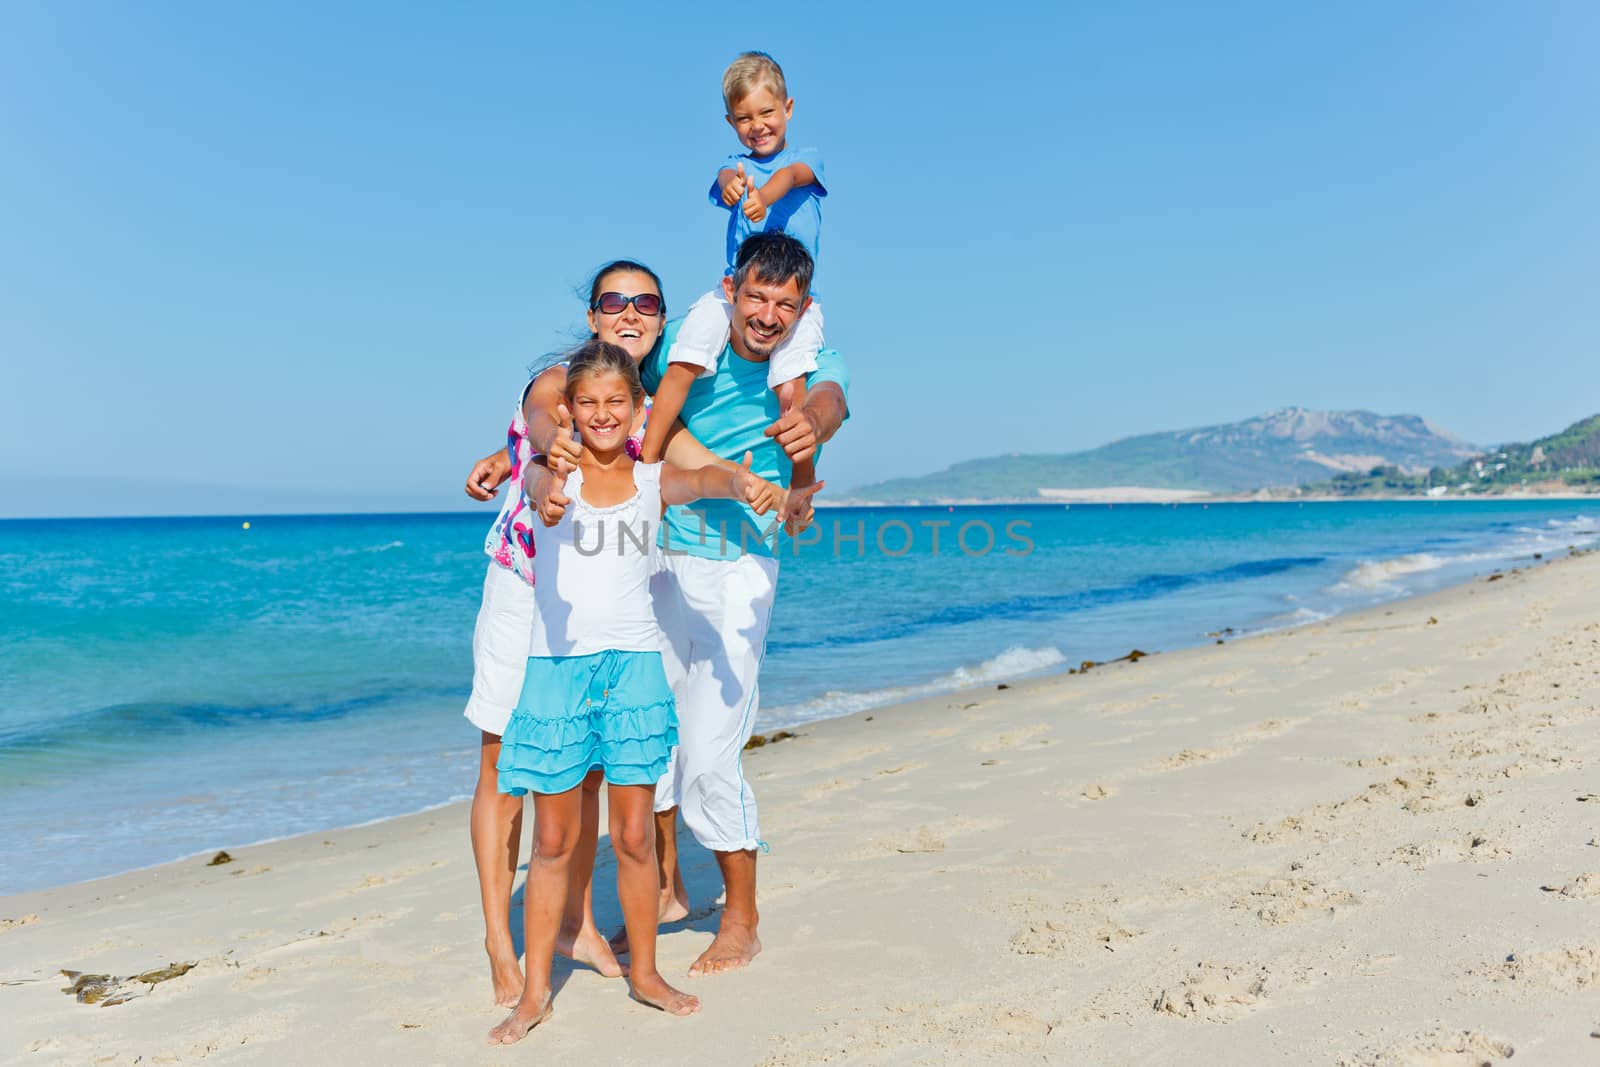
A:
x: 1569, y: 458
x: 1292, y: 446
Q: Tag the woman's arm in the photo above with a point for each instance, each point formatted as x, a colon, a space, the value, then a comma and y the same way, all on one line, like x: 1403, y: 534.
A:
x: 488, y: 474
x: 549, y: 431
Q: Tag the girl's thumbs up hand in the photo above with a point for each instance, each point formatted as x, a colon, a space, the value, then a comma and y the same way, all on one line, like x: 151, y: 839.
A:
x: 552, y: 503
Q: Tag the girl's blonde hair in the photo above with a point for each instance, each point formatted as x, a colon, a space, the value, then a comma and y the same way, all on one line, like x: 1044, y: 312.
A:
x: 751, y: 71
x: 598, y: 357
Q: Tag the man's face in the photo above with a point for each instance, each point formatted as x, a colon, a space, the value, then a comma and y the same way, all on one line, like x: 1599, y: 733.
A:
x: 763, y: 313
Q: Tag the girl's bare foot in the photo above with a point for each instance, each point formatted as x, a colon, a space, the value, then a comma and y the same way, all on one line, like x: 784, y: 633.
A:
x: 588, y: 947
x: 654, y: 991
x: 515, y: 1027
x: 504, y: 972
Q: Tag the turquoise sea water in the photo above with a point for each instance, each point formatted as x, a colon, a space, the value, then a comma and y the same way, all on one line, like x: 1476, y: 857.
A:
x: 169, y: 686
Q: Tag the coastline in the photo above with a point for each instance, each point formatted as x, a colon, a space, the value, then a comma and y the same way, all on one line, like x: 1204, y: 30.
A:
x: 1149, y: 858
x: 1184, y: 497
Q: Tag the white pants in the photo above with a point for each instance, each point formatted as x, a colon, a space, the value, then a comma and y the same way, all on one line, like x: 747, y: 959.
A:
x: 714, y: 615
x: 499, y: 649
x: 704, y: 332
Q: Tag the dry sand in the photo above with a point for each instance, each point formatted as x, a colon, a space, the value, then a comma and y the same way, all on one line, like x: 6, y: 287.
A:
x: 1370, y: 840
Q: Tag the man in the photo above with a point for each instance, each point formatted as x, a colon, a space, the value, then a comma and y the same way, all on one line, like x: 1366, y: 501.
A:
x: 715, y: 589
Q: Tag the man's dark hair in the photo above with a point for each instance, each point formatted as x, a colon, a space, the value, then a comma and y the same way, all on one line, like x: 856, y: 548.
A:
x: 774, y: 257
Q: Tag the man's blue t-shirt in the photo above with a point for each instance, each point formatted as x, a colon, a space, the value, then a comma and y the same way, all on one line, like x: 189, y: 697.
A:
x: 728, y: 412
x: 799, y: 214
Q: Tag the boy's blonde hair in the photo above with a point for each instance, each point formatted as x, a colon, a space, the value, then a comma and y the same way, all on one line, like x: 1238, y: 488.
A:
x: 752, y: 71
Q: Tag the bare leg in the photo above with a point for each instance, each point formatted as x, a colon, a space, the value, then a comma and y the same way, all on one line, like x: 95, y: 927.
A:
x: 632, y: 831
x: 556, y: 829
x: 736, y: 943
x: 674, y: 895
x: 496, y: 824
x: 580, y: 940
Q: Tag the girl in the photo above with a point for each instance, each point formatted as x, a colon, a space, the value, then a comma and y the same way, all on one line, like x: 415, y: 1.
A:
x: 594, y: 695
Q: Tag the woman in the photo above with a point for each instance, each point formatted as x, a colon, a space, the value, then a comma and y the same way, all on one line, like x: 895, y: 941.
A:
x: 626, y: 309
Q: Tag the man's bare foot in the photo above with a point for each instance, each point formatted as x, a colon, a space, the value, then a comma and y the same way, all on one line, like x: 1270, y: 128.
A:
x: 505, y: 974
x: 588, y: 947
x: 655, y: 992
x: 519, y: 1022
x: 674, y: 906
x: 735, y: 945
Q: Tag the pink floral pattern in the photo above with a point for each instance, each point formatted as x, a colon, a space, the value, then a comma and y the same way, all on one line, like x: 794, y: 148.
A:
x: 510, y: 539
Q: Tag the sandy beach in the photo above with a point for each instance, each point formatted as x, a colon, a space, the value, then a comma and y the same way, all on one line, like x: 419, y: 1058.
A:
x: 1368, y: 840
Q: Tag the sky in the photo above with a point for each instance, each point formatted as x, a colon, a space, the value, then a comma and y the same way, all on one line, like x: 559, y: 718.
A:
x: 299, y: 256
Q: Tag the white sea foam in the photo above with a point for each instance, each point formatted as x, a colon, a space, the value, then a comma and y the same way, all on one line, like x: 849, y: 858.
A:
x: 1012, y: 663
x: 1373, y: 575
x: 1384, y: 575
x: 366, y: 549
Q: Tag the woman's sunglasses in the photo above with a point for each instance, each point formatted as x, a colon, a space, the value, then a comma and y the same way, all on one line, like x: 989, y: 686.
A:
x: 648, y: 304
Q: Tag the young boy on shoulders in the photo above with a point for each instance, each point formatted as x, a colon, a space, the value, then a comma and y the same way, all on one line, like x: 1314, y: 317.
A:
x: 769, y: 186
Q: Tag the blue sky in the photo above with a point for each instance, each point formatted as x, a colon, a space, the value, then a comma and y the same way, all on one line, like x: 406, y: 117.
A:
x: 298, y: 256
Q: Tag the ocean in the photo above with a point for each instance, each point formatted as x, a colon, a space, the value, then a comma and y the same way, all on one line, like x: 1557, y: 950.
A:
x: 173, y: 686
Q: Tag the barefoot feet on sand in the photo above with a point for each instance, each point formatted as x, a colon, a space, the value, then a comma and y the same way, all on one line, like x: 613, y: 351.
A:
x: 505, y: 974
x: 735, y: 945
x: 515, y: 1027
x: 589, y: 948
x: 655, y: 992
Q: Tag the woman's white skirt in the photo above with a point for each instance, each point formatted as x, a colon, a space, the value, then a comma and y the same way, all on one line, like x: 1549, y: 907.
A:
x: 499, y: 649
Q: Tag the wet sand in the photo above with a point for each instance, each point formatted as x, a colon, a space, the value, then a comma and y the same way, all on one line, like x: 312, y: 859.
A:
x: 1370, y: 840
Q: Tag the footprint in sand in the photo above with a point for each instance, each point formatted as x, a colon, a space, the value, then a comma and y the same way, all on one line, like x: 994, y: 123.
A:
x: 372, y: 881
x: 1097, y: 791
x: 1189, y: 757
x: 1221, y: 681
x: 914, y: 765
x: 923, y: 840
x: 1583, y: 887
x: 941, y: 732
x: 1214, y: 994
x: 1564, y: 969
x: 822, y: 789
x: 1070, y: 929
x: 1437, y: 1048
x: 1264, y: 729
x: 851, y: 756
x: 1023, y: 737
x: 1291, y: 900
x: 1474, y: 848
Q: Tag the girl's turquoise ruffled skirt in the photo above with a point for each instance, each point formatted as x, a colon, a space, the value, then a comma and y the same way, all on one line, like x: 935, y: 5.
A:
x: 612, y: 710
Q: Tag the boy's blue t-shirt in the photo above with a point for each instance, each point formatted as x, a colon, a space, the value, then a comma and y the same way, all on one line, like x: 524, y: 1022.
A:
x: 727, y: 412
x: 799, y: 214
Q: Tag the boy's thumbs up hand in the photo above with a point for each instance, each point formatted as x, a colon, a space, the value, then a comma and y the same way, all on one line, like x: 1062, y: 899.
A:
x: 755, y: 209
x: 732, y: 191
x: 564, y: 449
